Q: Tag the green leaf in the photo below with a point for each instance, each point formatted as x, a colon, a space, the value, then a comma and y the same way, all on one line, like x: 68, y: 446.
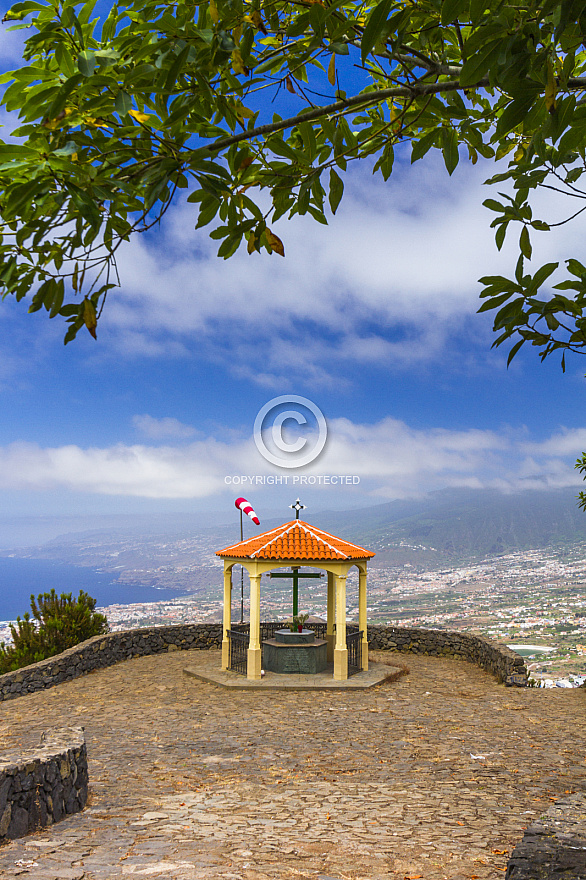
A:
x: 519, y: 268
x: 494, y: 302
x: 86, y: 62
x: 72, y: 332
x: 573, y: 175
x: 109, y: 54
x: 175, y: 69
x: 336, y: 190
x: 57, y: 299
x: 386, y: 161
x: 525, y: 243
x: 226, y: 41
x: 230, y: 245
x: 551, y: 321
x: 514, y: 350
x: 420, y: 147
x: 123, y: 103
x: 20, y: 152
x: 477, y: 7
x: 269, y: 64
x: 500, y: 234
x: 493, y: 205
x: 576, y: 268
x: 479, y: 63
x: 208, y: 210
x: 450, y: 149
x: 374, y: 27
x: 86, y: 206
x: 453, y: 10
x: 20, y: 195
x: 70, y: 149
x: 62, y: 97
x: 44, y: 295
x: 515, y: 113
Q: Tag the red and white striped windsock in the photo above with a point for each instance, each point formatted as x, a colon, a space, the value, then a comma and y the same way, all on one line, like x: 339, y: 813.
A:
x: 243, y: 505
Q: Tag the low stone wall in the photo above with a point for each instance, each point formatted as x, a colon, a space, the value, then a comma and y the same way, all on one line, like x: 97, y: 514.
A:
x: 102, y: 651
x: 504, y: 664
x: 41, y: 786
x: 554, y: 845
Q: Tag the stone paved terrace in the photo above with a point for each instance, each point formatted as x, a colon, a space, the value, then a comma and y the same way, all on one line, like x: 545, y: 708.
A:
x: 189, y: 780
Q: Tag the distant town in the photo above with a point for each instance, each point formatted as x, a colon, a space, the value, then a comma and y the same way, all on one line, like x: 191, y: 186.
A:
x: 533, y: 600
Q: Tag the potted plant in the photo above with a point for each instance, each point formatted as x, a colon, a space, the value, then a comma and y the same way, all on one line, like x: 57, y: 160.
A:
x: 296, y: 624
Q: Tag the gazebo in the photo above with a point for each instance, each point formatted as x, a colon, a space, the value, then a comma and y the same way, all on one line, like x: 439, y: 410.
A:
x: 296, y: 544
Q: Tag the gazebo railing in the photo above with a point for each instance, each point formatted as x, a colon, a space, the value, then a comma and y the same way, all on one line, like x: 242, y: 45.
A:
x: 238, y: 637
x: 268, y: 630
x: 238, y: 651
x: 354, y: 645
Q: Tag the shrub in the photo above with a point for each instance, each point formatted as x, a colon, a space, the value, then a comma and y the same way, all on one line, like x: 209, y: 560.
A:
x: 58, y: 622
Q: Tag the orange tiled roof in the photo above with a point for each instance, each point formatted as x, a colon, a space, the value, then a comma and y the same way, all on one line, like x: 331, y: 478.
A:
x: 295, y: 540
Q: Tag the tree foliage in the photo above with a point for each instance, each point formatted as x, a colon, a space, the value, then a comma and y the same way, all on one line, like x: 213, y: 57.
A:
x: 256, y: 107
x: 58, y: 623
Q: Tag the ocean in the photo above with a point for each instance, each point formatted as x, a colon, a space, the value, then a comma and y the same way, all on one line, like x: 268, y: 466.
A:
x: 21, y: 577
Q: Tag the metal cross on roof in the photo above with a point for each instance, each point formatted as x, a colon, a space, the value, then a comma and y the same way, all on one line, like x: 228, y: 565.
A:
x: 297, y: 507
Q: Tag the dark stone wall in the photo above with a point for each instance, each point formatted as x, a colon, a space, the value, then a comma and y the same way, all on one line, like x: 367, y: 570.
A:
x: 555, y: 845
x: 101, y: 651
x: 105, y: 650
x: 41, y: 786
x: 504, y: 664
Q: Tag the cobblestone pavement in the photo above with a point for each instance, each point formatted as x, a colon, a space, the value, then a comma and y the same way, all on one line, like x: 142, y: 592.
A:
x: 432, y: 776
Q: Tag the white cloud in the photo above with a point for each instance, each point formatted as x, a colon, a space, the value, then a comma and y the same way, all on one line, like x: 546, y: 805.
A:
x: 159, y: 429
x: 392, y: 459
x: 194, y: 471
x: 565, y: 442
x: 385, y: 283
x: 388, y: 282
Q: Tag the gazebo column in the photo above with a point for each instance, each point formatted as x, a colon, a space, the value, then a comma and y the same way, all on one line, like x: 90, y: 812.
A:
x: 340, y: 651
x: 227, y: 624
x: 362, y: 625
x: 254, y: 650
x: 331, y: 617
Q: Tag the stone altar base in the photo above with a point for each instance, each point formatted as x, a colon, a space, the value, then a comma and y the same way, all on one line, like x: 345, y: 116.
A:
x: 292, y: 653
x: 322, y: 681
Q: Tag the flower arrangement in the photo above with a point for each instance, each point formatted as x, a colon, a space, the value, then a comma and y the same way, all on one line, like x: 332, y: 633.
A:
x: 296, y: 624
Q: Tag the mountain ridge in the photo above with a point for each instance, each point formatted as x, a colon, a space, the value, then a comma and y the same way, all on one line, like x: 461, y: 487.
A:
x: 445, y: 527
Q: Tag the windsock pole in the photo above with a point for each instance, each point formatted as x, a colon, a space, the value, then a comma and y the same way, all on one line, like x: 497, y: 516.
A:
x: 241, y: 574
x: 244, y: 507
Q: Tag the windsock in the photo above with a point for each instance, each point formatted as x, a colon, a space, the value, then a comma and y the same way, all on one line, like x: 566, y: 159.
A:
x: 243, y: 505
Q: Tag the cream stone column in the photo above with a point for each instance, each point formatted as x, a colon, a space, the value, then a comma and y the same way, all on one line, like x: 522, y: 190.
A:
x: 227, y: 618
x: 254, y: 652
x: 340, y: 651
x: 362, y: 625
x: 331, y: 617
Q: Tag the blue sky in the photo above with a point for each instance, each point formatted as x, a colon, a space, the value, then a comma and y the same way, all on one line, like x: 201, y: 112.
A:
x: 372, y: 318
